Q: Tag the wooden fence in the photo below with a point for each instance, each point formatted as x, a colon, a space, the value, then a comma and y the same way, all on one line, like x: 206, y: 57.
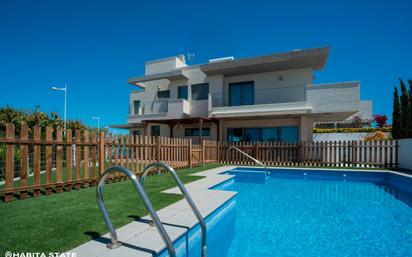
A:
x: 45, y: 161
x: 42, y: 161
x: 363, y: 154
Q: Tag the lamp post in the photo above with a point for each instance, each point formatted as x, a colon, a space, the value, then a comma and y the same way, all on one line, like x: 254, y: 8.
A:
x: 65, y: 102
x: 98, y: 123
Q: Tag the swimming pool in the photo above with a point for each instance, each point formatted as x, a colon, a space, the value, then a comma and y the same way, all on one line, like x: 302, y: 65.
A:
x: 295, y: 212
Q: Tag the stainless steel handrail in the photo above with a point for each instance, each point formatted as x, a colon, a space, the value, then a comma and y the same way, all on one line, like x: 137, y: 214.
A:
x: 148, y: 205
x: 185, y: 194
x: 247, y: 155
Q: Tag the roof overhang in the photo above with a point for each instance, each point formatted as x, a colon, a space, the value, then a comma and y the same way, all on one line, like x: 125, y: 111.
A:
x: 170, y: 75
x: 127, y: 126
x: 191, y: 120
x: 309, y: 58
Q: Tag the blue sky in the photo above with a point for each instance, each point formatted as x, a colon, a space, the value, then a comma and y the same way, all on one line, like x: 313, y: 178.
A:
x: 95, y: 46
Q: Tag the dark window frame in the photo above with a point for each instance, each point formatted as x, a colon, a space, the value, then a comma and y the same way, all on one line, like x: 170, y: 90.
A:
x: 152, y: 130
x: 163, y: 94
x: 179, y: 88
x: 205, y: 132
x: 134, y: 106
x: 278, y: 131
x: 196, y: 96
x: 243, y: 92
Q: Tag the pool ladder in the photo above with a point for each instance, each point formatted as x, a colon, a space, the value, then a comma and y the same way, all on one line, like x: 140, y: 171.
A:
x: 247, y: 155
x: 138, y: 185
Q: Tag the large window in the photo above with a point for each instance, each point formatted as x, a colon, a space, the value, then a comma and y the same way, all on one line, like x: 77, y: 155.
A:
x: 155, y: 130
x: 200, y: 91
x: 284, y: 134
x: 193, y: 132
x: 241, y: 93
x: 289, y: 134
x: 234, y: 134
x: 182, y: 92
x: 136, y: 107
x: 163, y: 94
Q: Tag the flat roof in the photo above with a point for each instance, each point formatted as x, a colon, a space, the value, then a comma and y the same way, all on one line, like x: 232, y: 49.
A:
x: 170, y: 75
x: 308, y: 58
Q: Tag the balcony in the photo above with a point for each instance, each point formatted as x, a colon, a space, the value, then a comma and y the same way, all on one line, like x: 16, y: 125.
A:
x: 260, y: 110
x: 161, y: 109
x: 327, y: 101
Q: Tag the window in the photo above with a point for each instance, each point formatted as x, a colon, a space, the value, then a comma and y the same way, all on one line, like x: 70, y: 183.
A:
x: 269, y: 134
x: 163, y: 94
x: 289, y: 134
x: 241, y: 93
x: 155, y: 130
x: 284, y: 134
x: 136, y: 107
x: 234, y: 134
x: 252, y: 134
x: 182, y: 92
x: 195, y: 132
x: 200, y: 91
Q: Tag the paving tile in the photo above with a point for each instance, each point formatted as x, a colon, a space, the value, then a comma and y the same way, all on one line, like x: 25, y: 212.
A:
x: 141, y: 239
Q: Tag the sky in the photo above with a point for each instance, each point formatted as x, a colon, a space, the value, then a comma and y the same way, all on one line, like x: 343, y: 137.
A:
x: 96, y: 45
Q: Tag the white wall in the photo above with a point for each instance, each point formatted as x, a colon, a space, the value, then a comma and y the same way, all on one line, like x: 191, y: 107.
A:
x: 274, y: 87
x: 337, y: 97
x: 405, y: 153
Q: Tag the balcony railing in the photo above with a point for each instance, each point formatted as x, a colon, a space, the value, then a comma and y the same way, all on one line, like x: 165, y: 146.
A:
x: 161, y: 108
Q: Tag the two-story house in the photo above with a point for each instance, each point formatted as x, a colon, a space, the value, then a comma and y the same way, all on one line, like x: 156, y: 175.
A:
x: 263, y: 98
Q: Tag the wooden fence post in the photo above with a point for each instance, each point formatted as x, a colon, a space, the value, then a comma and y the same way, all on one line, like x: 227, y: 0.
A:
x: 86, y: 159
x: 203, y: 152
x: 24, y: 154
x: 69, y: 160
x: 190, y: 153
x: 102, y: 152
x: 218, y: 151
x: 78, y: 159
x: 9, y: 176
x: 36, y: 160
x: 59, y: 162
x: 49, y: 159
x: 158, y: 149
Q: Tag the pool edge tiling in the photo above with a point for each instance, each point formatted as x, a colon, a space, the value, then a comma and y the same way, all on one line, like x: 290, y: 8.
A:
x: 140, y: 239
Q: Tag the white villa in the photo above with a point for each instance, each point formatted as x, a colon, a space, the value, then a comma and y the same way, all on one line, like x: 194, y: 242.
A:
x: 262, y: 98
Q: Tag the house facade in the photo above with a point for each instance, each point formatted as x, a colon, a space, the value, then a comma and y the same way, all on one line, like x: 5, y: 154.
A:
x: 264, y: 98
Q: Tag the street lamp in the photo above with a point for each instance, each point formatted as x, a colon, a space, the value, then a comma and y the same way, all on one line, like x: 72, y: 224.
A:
x: 65, y: 102
x: 98, y: 123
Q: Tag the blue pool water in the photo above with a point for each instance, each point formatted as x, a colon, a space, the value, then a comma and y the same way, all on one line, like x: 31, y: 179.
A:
x: 312, y: 213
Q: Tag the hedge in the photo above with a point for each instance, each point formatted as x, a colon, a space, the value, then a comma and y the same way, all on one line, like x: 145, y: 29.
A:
x: 351, y: 130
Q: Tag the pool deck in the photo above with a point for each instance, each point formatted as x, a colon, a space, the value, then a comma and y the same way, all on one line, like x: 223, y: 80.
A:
x: 140, y: 239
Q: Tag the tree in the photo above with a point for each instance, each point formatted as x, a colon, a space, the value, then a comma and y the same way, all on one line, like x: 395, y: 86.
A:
x: 396, y: 119
x: 405, y: 116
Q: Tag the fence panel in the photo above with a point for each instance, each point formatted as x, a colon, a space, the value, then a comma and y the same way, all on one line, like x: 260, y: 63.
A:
x: 372, y: 154
x: 52, y: 161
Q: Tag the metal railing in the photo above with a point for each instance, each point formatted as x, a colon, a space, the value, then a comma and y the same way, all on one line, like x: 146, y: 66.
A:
x: 148, y: 205
x: 185, y: 194
x: 247, y: 155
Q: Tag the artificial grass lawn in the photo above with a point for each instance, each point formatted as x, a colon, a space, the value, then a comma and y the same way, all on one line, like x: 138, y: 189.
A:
x: 60, y: 222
